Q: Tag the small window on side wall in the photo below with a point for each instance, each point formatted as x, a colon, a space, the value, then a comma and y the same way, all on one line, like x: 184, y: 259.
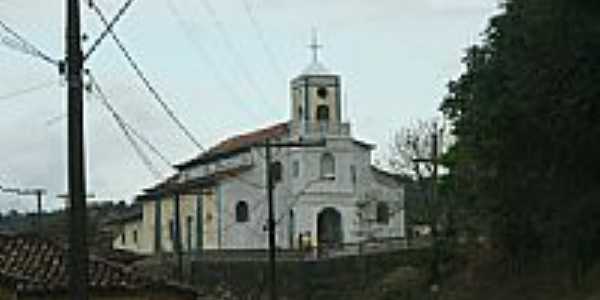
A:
x: 241, y: 212
x: 328, y: 166
x: 276, y: 171
x: 383, y: 213
x: 296, y: 169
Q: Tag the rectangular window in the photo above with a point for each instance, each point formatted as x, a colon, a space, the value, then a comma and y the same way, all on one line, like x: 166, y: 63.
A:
x: 135, y: 236
x: 296, y: 169
x: 123, y: 238
x: 189, y: 222
x: 171, y: 230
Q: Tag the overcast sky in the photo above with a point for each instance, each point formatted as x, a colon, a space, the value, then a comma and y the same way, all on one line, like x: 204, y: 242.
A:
x: 224, y: 67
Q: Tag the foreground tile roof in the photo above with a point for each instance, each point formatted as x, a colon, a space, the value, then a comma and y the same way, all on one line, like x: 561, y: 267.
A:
x: 31, y: 265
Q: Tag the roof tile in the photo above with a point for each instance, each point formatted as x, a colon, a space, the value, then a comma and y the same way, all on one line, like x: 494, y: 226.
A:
x: 34, y: 265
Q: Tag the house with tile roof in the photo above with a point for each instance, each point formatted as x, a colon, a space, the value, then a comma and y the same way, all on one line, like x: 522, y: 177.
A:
x: 34, y: 268
x: 324, y: 196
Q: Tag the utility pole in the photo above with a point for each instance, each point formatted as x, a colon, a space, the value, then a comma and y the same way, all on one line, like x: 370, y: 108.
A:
x: 268, y: 145
x: 78, y: 251
x: 433, y: 215
x: 434, y: 201
x: 177, y: 236
x: 29, y: 192
x: 272, y: 265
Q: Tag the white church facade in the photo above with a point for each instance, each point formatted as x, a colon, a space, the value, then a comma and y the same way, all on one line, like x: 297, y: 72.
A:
x: 325, y: 196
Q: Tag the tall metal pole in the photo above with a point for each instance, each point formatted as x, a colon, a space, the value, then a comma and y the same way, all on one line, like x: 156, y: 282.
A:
x: 272, y: 266
x: 78, y: 252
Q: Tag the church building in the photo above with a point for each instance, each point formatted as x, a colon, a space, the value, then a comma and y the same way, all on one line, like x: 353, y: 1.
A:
x: 324, y: 196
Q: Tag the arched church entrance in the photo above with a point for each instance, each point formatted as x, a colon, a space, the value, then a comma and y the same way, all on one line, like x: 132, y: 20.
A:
x: 329, y: 228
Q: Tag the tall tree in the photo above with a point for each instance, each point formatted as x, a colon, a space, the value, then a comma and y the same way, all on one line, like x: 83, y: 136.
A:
x: 527, y: 119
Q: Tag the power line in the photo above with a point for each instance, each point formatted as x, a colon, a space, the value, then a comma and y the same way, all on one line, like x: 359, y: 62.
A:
x: 238, y: 57
x: 26, y: 46
x: 55, y: 119
x: 109, y: 27
x: 148, y: 144
x: 157, y: 97
x: 142, y: 138
x: 296, y: 198
x: 28, y: 90
x: 13, y: 44
x: 146, y: 82
x: 122, y: 125
x: 261, y: 36
x: 203, y: 53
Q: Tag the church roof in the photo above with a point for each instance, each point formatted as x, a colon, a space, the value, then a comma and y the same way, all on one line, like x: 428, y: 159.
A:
x: 316, y: 68
x: 387, y: 178
x: 175, y: 185
x: 237, y: 144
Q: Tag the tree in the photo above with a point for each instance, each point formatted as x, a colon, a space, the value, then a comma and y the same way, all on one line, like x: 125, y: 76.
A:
x: 414, y: 142
x: 410, y: 147
x: 526, y: 116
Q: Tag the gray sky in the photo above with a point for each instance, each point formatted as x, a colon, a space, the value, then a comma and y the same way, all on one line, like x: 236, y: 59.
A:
x: 207, y: 60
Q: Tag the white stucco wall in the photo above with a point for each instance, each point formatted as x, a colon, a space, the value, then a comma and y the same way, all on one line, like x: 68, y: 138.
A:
x: 130, y: 237
x: 307, y: 195
x: 187, y: 209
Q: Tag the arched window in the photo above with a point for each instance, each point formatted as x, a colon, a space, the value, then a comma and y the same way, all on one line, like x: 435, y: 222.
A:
x: 383, y: 213
x: 328, y: 166
x: 322, y: 113
x: 241, y: 212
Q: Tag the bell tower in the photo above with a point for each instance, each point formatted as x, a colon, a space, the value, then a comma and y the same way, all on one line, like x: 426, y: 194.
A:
x: 316, y: 95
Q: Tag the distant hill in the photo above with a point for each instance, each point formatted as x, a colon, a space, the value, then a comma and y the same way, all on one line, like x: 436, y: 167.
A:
x: 55, y: 224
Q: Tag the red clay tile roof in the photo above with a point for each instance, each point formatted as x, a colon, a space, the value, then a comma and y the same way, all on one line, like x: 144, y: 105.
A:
x: 195, y: 185
x: 238, y: 143
x: 31, y: 265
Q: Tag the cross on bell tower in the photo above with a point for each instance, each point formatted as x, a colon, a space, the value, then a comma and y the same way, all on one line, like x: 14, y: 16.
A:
x: 316, y: 97
x: 315, y: 46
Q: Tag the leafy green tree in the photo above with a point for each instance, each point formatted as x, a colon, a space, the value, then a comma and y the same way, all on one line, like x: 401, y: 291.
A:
x: 526, y: 113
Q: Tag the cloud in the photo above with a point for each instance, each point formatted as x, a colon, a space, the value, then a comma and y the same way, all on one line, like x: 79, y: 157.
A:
x: 462, y: 5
